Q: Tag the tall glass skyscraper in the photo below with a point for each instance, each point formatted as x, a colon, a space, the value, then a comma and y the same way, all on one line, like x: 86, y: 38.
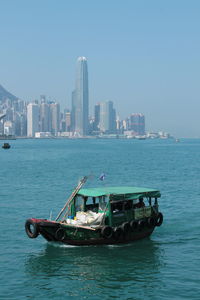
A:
x: 80, y: 102
x: 107, y: 117
x: 137, y: 123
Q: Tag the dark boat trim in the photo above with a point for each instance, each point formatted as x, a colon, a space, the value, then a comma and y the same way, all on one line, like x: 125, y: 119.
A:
x: 46, y: 225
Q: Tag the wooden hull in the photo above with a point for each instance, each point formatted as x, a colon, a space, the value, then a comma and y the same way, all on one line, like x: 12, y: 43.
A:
x: 111, y: 241
x: 71, y: 235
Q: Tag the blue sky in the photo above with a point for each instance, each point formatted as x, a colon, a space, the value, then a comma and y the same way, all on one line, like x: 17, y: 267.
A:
x: 142, y: 55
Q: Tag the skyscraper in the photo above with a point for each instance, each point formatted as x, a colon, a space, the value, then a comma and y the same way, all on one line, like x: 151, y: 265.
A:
x: 45, y: 117
x: 107, y: 121
x: 137, y: 123
x: 96, y: 116
x: 80, y: 102
x: 55, y: 118
x: 32, y: 119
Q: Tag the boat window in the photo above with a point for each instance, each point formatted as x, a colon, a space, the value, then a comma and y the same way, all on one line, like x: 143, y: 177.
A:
x: 91, y: 204
x: 103, y: 201
x: 140, y: 203
x: 128, y: 205
x: 117, y: 207
x: 79, y: 203
x: 90, y: 201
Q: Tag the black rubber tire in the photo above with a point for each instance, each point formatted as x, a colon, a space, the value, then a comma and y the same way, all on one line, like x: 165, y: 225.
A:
x: 60, y: 234
x: 151, y: 222
x: 159, y: 219
x: 32, y: 233
x: 107, y: 232
x: 117, y: 232
x: 134, y: 225
x: 141, y: 224
x: 126, y: 227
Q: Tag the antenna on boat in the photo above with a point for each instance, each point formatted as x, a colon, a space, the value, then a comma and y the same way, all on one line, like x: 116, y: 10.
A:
x: 79, y: 186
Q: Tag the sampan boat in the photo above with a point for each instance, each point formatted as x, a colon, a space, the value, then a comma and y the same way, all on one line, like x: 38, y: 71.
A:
x: 105, y: 215
x: 6, y: 146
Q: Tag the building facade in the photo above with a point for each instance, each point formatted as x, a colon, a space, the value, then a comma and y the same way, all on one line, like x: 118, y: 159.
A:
x: 137, y: 124
x: 45, y: 117
x: 33, y: 113
x: 107, y: 118
x: 55, y: 118
x: 80, y: 99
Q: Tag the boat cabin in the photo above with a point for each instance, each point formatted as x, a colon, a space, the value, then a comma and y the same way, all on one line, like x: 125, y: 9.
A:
x: 112, y: 206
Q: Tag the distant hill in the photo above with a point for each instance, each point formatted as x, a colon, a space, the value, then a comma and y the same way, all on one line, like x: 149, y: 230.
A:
x: 4, y: 94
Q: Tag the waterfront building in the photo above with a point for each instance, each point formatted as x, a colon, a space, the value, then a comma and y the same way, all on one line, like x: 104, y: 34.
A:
x: 8, y: 128
x: 20, y: 123
x: 21, y: 106
x: 125, y: 124
x: 73, y: 111
x: 68, y: 121
x: 80, y: 99
x: 107, y: 121
x: 42, y: 135
x: 137, y: 123
x: 96, y: 117
x: 118, y: 125
x: 32, y: 119
x: 45, y: 117
x: 55, y: 118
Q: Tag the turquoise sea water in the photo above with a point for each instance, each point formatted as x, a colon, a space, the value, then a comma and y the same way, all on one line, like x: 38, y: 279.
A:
x: 36, y: 176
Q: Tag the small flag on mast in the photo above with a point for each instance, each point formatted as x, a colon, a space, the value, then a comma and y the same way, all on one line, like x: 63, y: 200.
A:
x: 102, y: 177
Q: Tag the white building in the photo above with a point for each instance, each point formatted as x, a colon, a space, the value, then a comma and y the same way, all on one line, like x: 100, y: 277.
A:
x: 8, y: 128
x: 33, y: 114
x: 43, y: 135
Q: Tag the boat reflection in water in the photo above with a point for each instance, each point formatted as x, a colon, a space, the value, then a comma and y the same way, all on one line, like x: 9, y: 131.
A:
x: 85, y: 271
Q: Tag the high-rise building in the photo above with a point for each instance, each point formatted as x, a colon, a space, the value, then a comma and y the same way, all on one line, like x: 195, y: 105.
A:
x: 96, y: 117
x: 73, y: 111
x: 68, y: 121
x: 137, y: 124
x: 45, y: 117
x: 80, y: 99
x: 55, y: 118
x: 32, y: 119
x: 107, y: 121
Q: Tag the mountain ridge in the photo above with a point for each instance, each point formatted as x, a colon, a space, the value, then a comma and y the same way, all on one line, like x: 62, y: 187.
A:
x: 4, y: 94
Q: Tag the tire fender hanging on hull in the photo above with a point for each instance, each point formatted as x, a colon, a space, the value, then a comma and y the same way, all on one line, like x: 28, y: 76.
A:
x: 31, y: 228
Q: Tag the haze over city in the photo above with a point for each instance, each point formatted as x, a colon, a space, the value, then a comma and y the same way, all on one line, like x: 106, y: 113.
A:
x: 143, y: 56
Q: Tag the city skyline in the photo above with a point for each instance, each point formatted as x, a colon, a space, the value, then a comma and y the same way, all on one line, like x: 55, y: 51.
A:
x: 143, y: 56
x: 43, y: 118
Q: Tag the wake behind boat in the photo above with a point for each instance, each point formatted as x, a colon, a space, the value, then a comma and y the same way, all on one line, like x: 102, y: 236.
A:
x: 105, y: 215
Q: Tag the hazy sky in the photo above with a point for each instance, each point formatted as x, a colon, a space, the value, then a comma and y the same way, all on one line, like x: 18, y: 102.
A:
x: 142, y: 55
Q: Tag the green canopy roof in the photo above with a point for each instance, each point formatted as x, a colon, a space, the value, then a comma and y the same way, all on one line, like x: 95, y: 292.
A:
x: 125, y: 192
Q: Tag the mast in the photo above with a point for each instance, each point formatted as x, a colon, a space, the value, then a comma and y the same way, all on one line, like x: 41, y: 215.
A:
x: 79, y: 186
